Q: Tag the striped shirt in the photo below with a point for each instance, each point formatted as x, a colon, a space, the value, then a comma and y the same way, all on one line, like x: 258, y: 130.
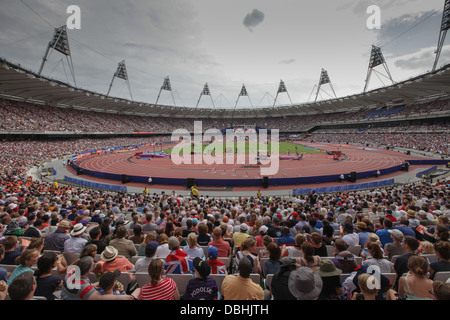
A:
x: 164, y: 290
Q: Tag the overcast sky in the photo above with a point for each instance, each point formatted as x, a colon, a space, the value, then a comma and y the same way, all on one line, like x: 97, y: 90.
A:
x: 225, y: 44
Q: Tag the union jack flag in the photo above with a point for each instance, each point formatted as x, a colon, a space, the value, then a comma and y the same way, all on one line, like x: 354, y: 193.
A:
x: 217, y: 267
x: 178, y: 262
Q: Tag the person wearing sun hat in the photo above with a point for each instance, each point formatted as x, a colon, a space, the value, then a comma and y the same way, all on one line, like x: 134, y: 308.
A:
x: 413, y: 221
x: 55, y: 241
x: 332, y: 288
x: 305, y: 284
x: 76, y: 242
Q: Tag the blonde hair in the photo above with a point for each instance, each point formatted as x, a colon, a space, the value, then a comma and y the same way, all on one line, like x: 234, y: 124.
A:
x: 363, y: 281
x: 427, y: 247
x: 248, y: 243
x: 192, y: 239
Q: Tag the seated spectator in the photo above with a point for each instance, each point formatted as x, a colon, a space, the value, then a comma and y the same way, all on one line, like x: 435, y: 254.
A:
x: 55, y: 241
x: 384, y: 234
x: 46, y: 282
x: 201, y: 287
x: 247, y: 249
x: 241, y: 287
x: 367, y: 293
x: 279, y: 288
x: 11, y: 255
x: 376, y: 258
x: 203, y: 237
x: 113, y: 261
x: 217, y: 266
x: 3, y: 272
x: 193, y: 249
x: 395, y: 248
x: 442, y: 250
x: 222, y: 246
x: 332, y: 288
x: 22, y: 287
x: 441, y: 290
x: 294, y: 251
x: 86, y: 290
x: 138, y: 236
x: 320, y: 248
x: 177, y: 262
x: 159, y: 288
x: 109, y: 285
x: 410, y: 245
x: 272, y: 266
x: 142, y: 247
x: 339, y: 246
x: 349, y: 236
x: 286, y: 238
x: 309, y: 259
x: 305, y: 284
x: 124, y: 246
x: 95, y: 234
x: 142, y: 264
x: 163, y: 248
x: 28, y: 258
x: 76, y: 242
x: 416, y: 285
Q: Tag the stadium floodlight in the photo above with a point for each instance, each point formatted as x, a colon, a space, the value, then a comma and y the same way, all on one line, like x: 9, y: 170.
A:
x: 60, y: 43
x: 377, y: 59
x: 167, y: 87
x: 205, y: 92
x: 445, y: 25
x: 324, y: 79
x: 242, y: 93
x: 281, y: 89
x: 121, y: 73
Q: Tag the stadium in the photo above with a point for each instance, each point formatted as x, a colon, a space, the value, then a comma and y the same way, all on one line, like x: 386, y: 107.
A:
x: 145, y: 171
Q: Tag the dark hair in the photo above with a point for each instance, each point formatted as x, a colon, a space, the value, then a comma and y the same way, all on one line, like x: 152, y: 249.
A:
x: 45, y: 263
x: 411, y: 242
x: 443, y: 248
x: 329, y: 287
x: 21, y: 286
x: 308, y: 251
x: 94, y: 232
x: 274, y: 251
x: 387, y: 223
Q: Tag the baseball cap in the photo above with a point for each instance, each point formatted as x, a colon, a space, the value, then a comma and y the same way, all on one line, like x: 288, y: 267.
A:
x: 202, y: 267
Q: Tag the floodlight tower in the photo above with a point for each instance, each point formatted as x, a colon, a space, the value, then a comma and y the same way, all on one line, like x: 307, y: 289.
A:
x: 376, y: 59
x: 205, y: 92
x: 60, y: 43
x: 445, y: 25
x: 281, y: 89
x: 121, y: 73
x: 324, y: 79
x: 243, y: 93
x: 168, y: 87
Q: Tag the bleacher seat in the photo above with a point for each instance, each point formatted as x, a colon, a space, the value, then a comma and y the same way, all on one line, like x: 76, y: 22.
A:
x: 441, y: 276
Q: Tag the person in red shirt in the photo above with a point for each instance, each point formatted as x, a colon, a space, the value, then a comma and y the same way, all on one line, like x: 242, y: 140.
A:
x: 390, y: 216
x: 222, y: 246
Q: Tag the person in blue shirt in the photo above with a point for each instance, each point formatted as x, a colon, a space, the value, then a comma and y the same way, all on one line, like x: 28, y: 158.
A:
x: 286, y: 238
x: 384, y: 234
x: 404, y: 228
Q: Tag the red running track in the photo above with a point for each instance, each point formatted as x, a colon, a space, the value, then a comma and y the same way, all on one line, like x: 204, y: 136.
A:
x: 357, y: 159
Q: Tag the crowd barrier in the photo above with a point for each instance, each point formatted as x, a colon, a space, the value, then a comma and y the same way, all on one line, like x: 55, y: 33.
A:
x: 96, y: 185
x: 250, y: 182
x: 420, y: 174
x: 368, y: 185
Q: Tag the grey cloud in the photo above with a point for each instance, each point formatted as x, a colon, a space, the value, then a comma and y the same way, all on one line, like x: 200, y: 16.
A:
x: 423, y: 60
x: 288, y: 61
x: 253, y: 19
